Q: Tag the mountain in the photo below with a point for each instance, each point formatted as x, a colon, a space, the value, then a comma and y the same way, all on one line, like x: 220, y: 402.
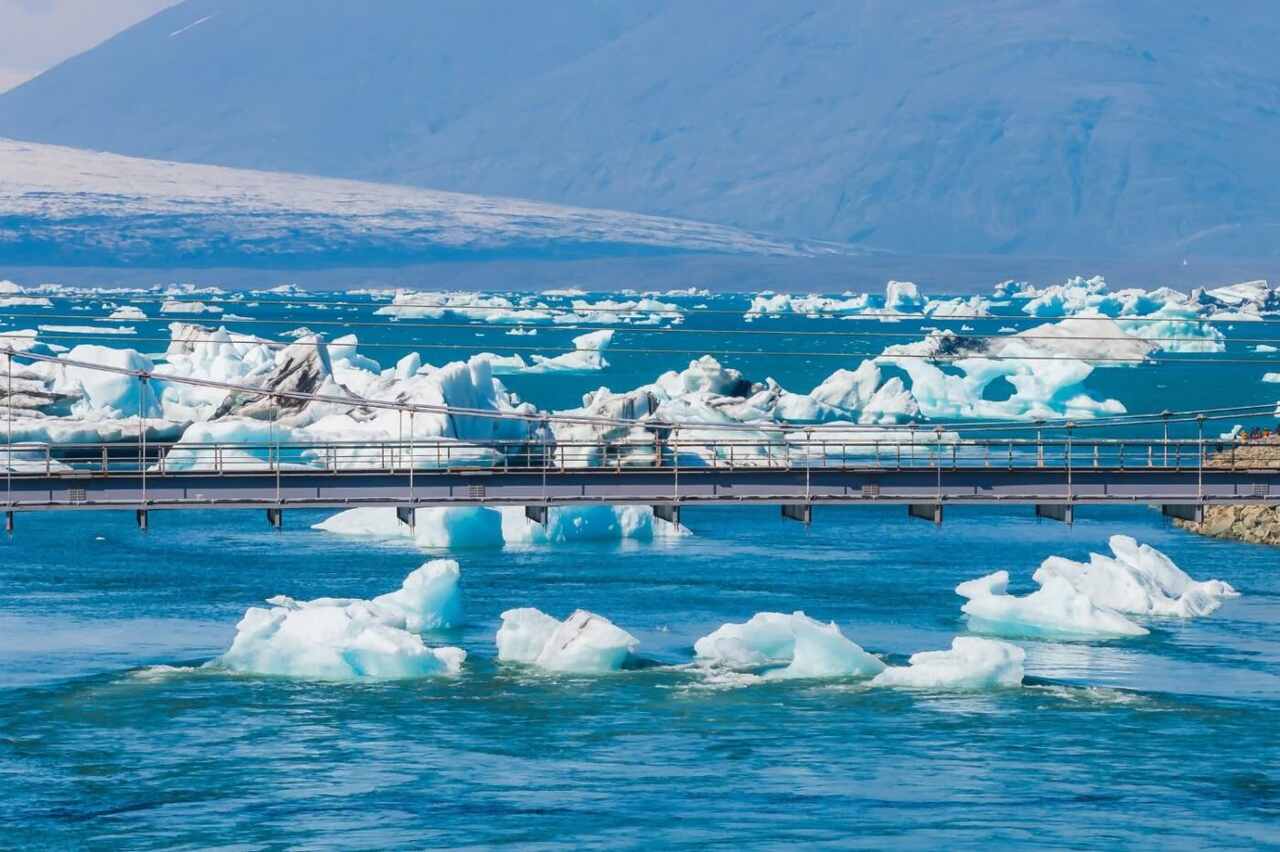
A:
x: 1048, y: 127
x: 68, y: 206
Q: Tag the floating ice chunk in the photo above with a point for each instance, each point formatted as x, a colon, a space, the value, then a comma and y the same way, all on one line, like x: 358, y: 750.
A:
x: 587, y: 356
x: 11, y: 296
x: 351, y: 639
x: 972, y: 663
x: 764, y: 639
x: 429, y: 598
x: 127, y: 312
x: 1055, y: 610
x: 1264, y: 347
x: 174, y: 306
x: 524, y: 633
x: 1138, y: 579
x: 584, y: 643
x: 821, y: 650
x: 111, y: 394
x: 458, y: 527
x: 586, y: 523
x: 89, y: 329
x: 795, y: 645
x: 903, y: 297
x: 1273, y: 378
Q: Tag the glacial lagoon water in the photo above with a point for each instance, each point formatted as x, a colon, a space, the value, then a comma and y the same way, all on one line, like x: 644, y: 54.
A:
x: 112, y: 736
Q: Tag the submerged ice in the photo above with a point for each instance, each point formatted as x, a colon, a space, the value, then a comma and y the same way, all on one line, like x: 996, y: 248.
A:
x: 351, y: 638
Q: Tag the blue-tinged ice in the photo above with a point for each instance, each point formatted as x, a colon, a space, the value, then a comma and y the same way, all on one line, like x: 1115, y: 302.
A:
x: 584, y: 643
x: 971, y: 663
x: 351, y: 638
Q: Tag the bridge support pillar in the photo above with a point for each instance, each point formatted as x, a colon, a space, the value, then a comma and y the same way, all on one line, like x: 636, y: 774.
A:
x: 8, y: 522
x: 143, y: 520
x: 802, y: 512
x: 1064, y: 512
x: 925, y: 512
x: 275, y: 517
x: 407, y: 516
x: 537, y: 514
x: 669, y: 512
x: 1193, y: 512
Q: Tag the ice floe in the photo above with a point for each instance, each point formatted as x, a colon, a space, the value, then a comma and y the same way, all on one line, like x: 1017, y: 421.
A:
x: 786, y: 646
x: 971, y: 663
x: 127, y: 312
x: 584, y: 643
x: 1137, y: 579
x: 353, y: 639
x: 1056, y: 610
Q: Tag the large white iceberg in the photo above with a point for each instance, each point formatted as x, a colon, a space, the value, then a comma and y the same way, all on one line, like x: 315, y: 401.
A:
x: 971, y: 663
x: 584, y: 643
x: 1137, y: 579
x: 482, y: 526
x: 786, y: 646
x: 1055, y: 610
x: 353, y: 639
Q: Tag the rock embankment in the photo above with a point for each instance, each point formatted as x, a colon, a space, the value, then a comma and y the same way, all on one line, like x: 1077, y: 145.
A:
x: 1253, y: 524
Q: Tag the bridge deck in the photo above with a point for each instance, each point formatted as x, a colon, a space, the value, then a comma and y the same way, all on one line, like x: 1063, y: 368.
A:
x: 342, y: 476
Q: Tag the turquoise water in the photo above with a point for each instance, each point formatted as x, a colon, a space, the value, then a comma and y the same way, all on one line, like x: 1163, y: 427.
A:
x: 1107, y: 745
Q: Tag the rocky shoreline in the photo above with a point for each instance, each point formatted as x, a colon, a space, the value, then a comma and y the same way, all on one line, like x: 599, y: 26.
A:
x: 1252, y: 524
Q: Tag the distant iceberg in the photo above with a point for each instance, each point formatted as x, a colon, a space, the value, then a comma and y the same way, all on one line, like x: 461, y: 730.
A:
x: 353, y: 639
x: 481, y: 526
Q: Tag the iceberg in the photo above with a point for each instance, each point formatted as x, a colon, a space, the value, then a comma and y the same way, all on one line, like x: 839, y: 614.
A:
x: 352, y: 639
x: 1137, y: 579
x: 584, y: 643
x: 460, y: 527
x: 972, y: 663
x: 1055, y: 610
x: 127, y: 312
x: 176, y: 306
x: 786, y: 646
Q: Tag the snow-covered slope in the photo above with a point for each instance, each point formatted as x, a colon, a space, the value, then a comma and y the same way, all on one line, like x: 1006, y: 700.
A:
x: 69, y: 205
x: 1055, y: 127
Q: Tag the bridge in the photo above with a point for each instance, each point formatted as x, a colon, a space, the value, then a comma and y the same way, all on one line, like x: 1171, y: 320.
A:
x: 797, y: 472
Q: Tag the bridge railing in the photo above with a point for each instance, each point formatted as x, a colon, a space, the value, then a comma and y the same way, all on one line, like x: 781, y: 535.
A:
x: 797, y: 450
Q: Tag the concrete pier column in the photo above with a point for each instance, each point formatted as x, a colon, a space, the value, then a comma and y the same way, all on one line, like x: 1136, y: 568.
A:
x: 669, y: 512
x: 1188, y: 512
x: 802, y: 512
x: 1064, y: 512
x: 407, y: 516
x: 143, y: 520
x: 926, y: 512
x: 275, y: 517
x: 8, y: 522
x: 537, y: 514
